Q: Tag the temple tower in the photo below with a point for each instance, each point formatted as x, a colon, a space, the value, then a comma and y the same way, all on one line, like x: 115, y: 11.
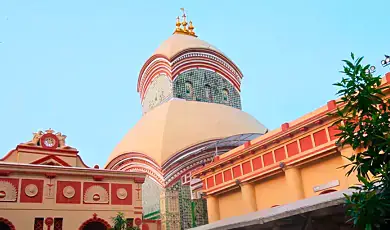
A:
x: 190, y: 96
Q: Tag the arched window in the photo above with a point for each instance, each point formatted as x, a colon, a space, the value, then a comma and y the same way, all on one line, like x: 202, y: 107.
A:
x: 207, y: 89
x: 189, y: 89
x: 225, y: 95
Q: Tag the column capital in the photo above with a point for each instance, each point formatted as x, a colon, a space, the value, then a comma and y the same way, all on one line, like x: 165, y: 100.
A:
x: 245, y: 183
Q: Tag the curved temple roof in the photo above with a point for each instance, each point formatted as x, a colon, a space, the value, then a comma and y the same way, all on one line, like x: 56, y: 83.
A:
x: 179, y: 42
x: 179, y: 124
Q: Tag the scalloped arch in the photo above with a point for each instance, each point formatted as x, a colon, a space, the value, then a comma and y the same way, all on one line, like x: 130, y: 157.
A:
x: 95, y: 219
x: 8, y: 223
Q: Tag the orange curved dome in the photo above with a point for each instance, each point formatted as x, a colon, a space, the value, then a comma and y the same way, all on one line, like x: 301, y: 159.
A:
x: 179, y: 124
x: 179, y: 42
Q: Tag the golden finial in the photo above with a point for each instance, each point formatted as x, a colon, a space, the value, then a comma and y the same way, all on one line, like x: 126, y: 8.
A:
x: 191, y: 29
x: 181, y: 26
x: 184, y: 23
x: 178, y: 24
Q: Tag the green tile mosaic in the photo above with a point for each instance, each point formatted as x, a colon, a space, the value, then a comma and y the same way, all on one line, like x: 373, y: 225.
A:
x: 206, y: 86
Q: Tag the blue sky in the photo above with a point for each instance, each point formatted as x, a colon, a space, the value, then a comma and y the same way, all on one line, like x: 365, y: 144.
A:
x: 73, y: 65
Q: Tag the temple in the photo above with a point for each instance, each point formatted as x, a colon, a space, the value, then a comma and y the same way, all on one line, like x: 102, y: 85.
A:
x: 190, y: 96
x: 193, y: 160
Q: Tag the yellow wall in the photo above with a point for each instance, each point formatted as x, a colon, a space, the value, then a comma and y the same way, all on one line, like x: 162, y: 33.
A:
x: 321, y: 172
x: 22, y: 215
x: 271, y: 192
x: 229, y: 204
x: 274, y: 190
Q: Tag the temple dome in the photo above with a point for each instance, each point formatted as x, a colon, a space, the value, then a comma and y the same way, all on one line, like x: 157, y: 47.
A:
x: 179, y: 124
x: 179, y: 42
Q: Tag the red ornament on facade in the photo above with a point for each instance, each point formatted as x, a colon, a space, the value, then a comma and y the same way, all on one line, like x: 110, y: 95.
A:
x: 49, y: 222
x: 49, y: 140
x: 138, y: 221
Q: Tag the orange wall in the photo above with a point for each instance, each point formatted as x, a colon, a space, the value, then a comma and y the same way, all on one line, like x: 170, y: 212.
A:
x: 280, y: 167
x: 271, y: 191
x: 229, y: 204
x: 321, y: 172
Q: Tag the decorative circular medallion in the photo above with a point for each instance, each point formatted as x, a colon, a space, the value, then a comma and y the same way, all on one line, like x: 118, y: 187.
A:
x: 31, y: 190
x: 8, y: 191
x: 138, y: 221
x: 68, y: 192
x: 49, y: 140
x: 49, y: 221
x: 121, y: 193
x: 96, y: 197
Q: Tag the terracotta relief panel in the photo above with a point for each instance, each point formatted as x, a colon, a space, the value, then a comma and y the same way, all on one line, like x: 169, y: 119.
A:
x: 121, y: 194
x: 31, y: 191
x: 9, y: 189
x: 68, y: 192
x: 96, y: 193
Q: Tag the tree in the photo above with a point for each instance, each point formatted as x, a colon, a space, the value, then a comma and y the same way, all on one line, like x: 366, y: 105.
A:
x: 120, y: 223
x: 364, y: 124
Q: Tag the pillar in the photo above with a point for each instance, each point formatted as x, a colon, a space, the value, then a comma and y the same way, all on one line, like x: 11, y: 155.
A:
x: 213, y: 208
x: 294, y: 183
x: 248, y: 197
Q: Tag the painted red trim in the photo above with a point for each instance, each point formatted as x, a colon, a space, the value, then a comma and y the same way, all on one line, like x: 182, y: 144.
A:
x: 5, y: 172
x: 216, y: 53
x: 94, y: 219
x: 150, y: 221
x: 171, y: 159
x: 82, y: 162
x: 136, y: 212
x: 122, y: 156
x: 70, y: 151
x: 260, y: 173
x: 142, y: 169
x: 49, y: 222
x: 139, y: 180
x: 263, y: 172
x: 8, y: 223
x: 137, y: 207
x: 266, y: 141
x: 50, y: 175
x: 51, y: 157
x: 98, y: 177
x: 142, y: 83
x: 285, y: 126
x: 8, y: 155
x: 177, y: 178
x: 196, y: 63
x: 189, y: 50
x: 201, y: 58
x: 49, y: 135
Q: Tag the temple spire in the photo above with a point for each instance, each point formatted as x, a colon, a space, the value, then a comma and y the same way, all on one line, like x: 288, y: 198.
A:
x: 183, y: 27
